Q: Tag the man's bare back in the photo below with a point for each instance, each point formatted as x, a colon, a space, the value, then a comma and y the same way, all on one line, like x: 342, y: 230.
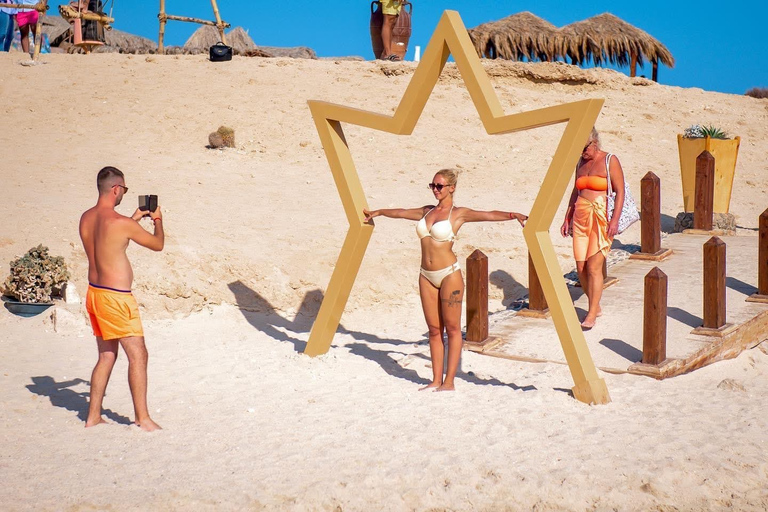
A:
x: 111, y: 306
x: 105, y: 234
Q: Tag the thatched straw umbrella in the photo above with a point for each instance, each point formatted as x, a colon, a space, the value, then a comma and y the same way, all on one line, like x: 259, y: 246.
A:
x: 608, y: 38
x: 203, y: 38
x: 240, y: 41
x: 128, y: 43
x: 56, y: 27
x: 522, y: 35
x: 206, y: 36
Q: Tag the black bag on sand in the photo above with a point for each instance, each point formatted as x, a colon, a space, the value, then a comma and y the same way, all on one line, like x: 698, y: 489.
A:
x: 220, y: 52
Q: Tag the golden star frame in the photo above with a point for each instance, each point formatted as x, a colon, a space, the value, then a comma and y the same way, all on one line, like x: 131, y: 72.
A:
x: 451, y: 38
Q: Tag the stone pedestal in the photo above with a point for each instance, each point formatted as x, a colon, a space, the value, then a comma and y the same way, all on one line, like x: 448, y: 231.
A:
x: 725, y: 222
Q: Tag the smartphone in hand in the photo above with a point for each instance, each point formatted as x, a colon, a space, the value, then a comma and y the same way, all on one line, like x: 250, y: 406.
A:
x: 148, y: 203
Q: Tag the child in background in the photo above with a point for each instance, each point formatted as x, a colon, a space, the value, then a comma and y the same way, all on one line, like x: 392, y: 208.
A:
x: 27, y: 20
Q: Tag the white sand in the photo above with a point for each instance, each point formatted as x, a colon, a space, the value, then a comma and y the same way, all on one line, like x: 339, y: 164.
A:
x: 249, y: 423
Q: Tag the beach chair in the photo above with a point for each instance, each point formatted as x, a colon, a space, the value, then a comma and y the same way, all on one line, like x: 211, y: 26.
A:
x: 86, y: 34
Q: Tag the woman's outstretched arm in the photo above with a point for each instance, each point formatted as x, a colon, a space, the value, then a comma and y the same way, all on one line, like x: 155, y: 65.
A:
x: 469, y: 215
x: 396, y: 213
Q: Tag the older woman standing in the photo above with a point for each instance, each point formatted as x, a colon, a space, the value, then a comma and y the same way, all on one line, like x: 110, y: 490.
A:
x: 587, y: 215
x: 440, y: 283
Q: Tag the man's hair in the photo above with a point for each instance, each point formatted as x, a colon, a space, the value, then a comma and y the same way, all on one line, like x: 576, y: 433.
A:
x: 107, y: 178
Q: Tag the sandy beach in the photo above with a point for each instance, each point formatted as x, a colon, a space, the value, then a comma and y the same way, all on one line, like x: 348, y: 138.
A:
x: 253, y: 234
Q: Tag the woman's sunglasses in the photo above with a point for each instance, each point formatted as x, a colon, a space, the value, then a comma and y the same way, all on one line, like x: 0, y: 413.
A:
x: 437, y: 186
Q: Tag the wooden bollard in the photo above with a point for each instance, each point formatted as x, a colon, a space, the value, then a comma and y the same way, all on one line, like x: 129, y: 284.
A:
x: 655, y: 317
x: 762, y: 261
x: 705, y: 191
x: 762, y: 255
x: 608, y: 280
x: 536, y: 299
x: 714, y: 283
x: 650, y: 214
x: 477, y: 296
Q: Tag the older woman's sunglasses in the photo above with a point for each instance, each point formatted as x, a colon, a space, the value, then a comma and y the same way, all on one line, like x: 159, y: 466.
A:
x: 437, y: 186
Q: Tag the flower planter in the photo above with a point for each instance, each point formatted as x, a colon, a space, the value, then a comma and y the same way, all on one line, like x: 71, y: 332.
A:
x: 26, y: 309
x: 725, y: 152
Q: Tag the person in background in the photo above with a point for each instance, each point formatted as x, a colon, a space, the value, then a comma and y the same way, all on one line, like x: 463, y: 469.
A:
x: 27, y: 20
x: 588, y: 216
x: 391, y: 10
x: 6, y: 27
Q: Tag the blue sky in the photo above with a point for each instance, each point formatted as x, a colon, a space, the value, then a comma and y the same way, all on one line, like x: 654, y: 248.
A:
x: 717, y: 45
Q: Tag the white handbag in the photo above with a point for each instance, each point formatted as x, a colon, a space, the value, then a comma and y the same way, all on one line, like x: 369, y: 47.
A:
x: 629, y: 213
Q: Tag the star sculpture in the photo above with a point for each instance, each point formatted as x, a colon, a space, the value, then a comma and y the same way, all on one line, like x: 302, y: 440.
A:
x: 451, y: 38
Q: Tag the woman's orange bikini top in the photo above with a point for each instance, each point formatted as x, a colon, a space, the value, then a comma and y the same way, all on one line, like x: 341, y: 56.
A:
x: 597, y: 183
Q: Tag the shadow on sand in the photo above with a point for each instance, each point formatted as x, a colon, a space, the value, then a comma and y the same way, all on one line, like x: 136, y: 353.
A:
x: 62, y: 396
x: 258, y: 311
x: 514, y: 291
x: 623, y: 349
x: 684, y: 317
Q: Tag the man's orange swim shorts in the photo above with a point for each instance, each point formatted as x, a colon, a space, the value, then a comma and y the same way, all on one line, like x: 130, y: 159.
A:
x: 114, y: 313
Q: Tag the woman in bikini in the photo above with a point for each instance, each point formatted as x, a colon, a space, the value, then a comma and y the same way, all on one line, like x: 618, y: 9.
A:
x: 440, y: 284
x: 592, y: 232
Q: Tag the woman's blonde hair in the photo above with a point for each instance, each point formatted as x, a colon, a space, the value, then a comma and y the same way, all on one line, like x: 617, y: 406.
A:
x: 451, y: 176
x: 594, y: 136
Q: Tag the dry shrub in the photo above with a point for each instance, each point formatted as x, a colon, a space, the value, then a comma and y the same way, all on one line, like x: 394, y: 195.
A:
x: 758, y: 92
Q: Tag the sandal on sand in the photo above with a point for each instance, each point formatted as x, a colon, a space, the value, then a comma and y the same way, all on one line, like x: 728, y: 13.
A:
x: 394, y: 57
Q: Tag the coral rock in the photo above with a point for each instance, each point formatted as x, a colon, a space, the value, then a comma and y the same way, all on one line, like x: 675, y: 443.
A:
x: 36, y: 276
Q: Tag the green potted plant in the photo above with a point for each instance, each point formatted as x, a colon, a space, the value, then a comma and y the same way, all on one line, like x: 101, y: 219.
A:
x: 724, y: 149
x: 34, y: 279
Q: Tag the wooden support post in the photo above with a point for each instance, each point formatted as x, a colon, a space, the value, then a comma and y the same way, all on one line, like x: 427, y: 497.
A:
x: 163, y: 19
x: 537, y: 303
x: 608, y: 280
x: 655, y: 70
x: 477, y: 297
x: 536, y: 299
x: 39, y: 29
x: 655, y: 317
x: 633, y: 65
x: 199, y: 21
x: 704, y: 192
x: 219, y: 24
x: 650, y: 220
x: 714, y: 283
x: 762, y: 261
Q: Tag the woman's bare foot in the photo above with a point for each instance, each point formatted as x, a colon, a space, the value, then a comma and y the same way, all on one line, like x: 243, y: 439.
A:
x: 148, y: 425
x: 446, y: 387
x: 431, y: 385
x: 587, y: 324
x: 93, y: 423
